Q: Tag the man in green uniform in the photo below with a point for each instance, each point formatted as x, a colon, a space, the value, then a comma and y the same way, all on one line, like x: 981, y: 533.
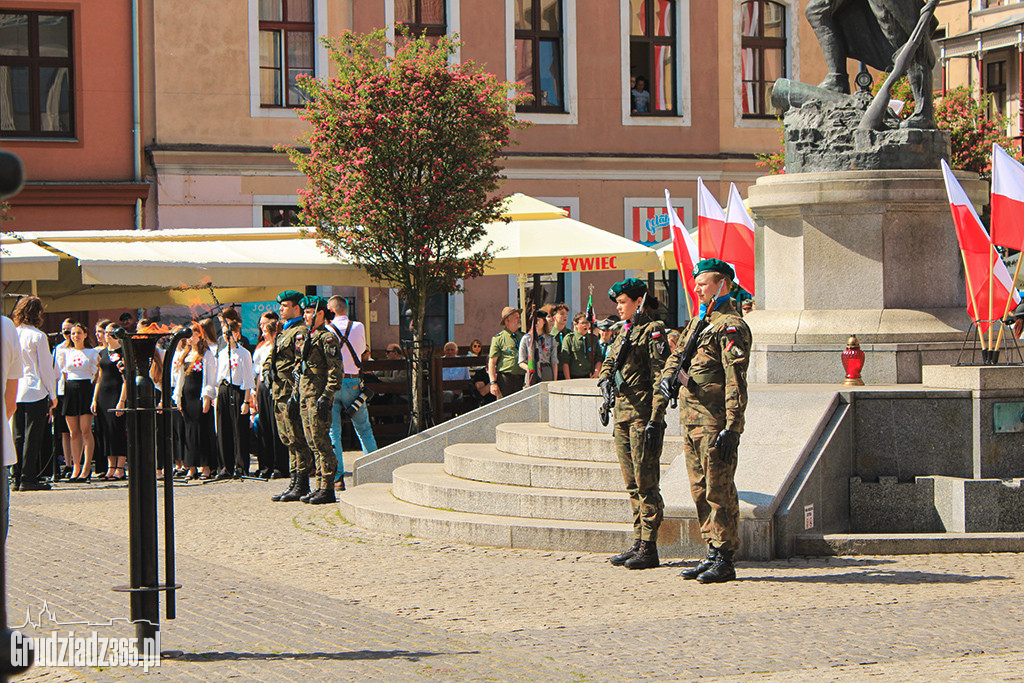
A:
x: 580, y: 355
x: 503, y: 359
x: 279, y: 374
x: 320, y: 378
x: 715, y: 397
x: 630, y: 374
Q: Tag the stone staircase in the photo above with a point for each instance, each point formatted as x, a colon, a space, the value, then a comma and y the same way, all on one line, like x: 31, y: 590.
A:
x: 538, y: 486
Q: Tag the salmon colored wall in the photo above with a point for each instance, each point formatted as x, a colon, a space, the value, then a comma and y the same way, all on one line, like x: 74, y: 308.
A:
x: 101, y: 36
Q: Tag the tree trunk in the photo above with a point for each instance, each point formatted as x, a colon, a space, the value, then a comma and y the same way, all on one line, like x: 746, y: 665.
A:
x: 418, y: 419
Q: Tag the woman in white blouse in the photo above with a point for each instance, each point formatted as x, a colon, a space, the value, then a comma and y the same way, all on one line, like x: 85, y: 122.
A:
x: 78, y: 366
x: 235, y: 383
x: 37, y: 394
x: 194, y: 394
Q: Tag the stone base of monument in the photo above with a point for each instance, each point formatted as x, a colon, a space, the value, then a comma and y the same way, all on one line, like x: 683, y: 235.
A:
x: 866, y: 253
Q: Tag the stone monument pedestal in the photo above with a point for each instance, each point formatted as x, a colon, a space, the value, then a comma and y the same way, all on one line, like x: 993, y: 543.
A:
x: 866, y: 253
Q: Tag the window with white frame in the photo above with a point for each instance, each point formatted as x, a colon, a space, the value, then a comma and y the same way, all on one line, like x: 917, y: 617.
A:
x: 763, y: 46
x: 427, y: 18
x: 652, y: 60
x: 538, y: 50
x: 286, y: 48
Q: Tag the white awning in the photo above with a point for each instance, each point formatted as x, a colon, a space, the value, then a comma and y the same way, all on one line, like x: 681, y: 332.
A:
x: 26, y: 261
x: 243, y: 257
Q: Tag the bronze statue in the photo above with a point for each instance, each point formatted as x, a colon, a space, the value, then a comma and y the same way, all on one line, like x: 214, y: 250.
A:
x: 873, y: 31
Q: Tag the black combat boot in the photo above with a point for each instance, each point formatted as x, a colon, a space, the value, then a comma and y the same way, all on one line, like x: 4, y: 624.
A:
x: 721, y: 571
x: 620, y: 559
x: 311, y: 491
x: 645, y: 557
x: 300, y: 489
x: 277, y: 498
x: 702, y: 566
x: 323, y: 496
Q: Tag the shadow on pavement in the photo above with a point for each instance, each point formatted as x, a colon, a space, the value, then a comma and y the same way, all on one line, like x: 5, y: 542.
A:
x: 353, y: 655
x: 887, y: 577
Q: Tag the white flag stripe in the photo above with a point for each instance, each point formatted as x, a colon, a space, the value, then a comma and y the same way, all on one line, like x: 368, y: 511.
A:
x: 1007, y: 175
x: 736, y: 212
x: 707, y: 205
x: 691, y: 246
x: 957, y: 196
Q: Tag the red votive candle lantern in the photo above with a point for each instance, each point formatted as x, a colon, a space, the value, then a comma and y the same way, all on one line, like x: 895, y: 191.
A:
x: 853, y: 363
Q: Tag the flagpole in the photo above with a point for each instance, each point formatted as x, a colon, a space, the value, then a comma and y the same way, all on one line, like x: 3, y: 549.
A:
x: 974, y: 299
x: 1009, y: 298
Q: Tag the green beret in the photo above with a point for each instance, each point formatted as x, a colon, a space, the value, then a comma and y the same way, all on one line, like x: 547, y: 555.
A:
x: 632, y: 287
x: 289, y: 295
x: 313, y: 301
x: 713, y: 265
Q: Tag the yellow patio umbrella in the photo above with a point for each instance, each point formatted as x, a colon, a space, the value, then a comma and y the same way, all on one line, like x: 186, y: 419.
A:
x: 541, y: 238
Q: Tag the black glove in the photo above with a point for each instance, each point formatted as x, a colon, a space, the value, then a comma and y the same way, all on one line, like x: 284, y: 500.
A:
x: 669, y: 387
x: 323, y: 407
x: 293, y: 407
x: 607, y: 388
x: 727, y: 443
x: 654, y: 436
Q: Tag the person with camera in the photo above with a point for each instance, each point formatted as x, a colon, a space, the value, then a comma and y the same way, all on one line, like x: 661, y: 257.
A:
x: 320, y: 376
x: 279, y: 374
x: 347, y: 400
x: 628, y: 379
x: 710, y: 367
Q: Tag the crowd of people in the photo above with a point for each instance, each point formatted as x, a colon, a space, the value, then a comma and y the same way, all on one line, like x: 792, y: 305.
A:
x: 67, y: 401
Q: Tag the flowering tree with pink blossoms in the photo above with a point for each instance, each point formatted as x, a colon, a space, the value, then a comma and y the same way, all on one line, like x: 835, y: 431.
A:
x: 403, y: 164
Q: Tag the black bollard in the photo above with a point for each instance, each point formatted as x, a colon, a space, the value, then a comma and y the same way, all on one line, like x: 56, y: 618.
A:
x: 141, y: 416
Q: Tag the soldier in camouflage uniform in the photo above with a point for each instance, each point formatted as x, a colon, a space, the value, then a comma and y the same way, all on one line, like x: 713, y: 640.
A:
x: 279, y: 374
x: 638, y: 437
x: 319, y: 380
x: 715, y: 398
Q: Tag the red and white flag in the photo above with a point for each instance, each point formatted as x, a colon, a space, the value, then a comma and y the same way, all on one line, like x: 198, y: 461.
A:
x: 710, y: 223
x: 1007, y: 200
x: 686, y: 253
x: 980, y: 259
x: 738, y: 245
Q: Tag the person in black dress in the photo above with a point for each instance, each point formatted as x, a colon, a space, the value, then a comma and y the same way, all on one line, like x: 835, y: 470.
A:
x: 271, y: 453
x: 108, y: 404
x: 196, y: 391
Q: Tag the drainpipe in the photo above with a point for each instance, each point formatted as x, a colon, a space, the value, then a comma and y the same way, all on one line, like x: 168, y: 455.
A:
x: 136, y: 127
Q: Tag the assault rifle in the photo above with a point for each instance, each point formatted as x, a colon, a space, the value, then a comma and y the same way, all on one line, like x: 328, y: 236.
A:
x: 610, y: 387
x: 670, y: 386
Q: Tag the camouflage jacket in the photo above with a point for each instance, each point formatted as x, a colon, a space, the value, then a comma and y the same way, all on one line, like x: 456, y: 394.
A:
x: 322, y: 369
x: 282, y: 360
x: 637, y: 377
x: 717, y: 391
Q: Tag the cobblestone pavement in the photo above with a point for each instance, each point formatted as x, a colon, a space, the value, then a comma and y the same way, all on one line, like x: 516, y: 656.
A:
x: 292, y: 592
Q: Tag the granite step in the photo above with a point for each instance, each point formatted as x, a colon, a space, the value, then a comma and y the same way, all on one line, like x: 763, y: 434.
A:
x: 484, y: 462
x: 908, y: 544
x: 544, y: 441
x: 428, y: 485
x: 372, y: 506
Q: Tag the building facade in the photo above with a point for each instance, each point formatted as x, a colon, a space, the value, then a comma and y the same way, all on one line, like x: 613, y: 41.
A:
x: 980, y: 43
x: 68, y: 96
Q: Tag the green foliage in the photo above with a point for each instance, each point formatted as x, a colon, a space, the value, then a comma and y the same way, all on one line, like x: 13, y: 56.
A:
x: 403, y: 160
x: 403, y: 164
x: 774, y: 163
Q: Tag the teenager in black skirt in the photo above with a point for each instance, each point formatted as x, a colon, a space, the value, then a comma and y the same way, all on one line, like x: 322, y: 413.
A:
x: 195, y: 392
x: 78, y: 366
x: 108, y: 404
x: 271, y: 453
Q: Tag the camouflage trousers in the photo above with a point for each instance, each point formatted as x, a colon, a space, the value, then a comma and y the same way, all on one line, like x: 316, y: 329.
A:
x: 300, y: 458
x: 642, y: 474
x: 318, y: 436
x: 712, y: 486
